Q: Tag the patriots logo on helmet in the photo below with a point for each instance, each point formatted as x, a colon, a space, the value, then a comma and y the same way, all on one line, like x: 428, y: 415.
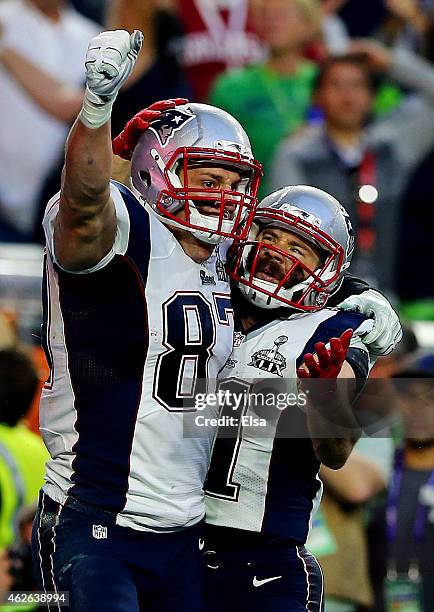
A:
x: 169, y: 123
x: 301, y: 214
x: 350, y: 230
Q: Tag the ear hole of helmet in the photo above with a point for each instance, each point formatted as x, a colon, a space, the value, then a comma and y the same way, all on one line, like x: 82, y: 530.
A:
x: 145, y: 177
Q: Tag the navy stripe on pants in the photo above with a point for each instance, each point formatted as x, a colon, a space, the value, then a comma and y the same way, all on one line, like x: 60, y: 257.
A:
x: 109, y: 568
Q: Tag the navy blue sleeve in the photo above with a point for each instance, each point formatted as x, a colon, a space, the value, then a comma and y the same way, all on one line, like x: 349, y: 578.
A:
x: 333, y: 328
x: 359, y: 361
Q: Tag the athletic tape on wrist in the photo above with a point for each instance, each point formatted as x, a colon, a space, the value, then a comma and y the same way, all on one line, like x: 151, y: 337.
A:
x: 95, y: 112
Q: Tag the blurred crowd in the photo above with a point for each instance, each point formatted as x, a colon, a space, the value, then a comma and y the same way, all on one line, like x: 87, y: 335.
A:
x: 338, y: 94
x: 334, y: 93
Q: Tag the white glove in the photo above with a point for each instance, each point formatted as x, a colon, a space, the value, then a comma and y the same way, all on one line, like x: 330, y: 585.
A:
x: 387, y: 331
x: 110, y: 58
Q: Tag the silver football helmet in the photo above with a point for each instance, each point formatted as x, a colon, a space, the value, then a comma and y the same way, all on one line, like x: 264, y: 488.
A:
x: 188, y: 136
x: 316, y: 217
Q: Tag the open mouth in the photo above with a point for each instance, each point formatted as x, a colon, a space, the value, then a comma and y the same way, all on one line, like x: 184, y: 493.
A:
x: 268, y: 276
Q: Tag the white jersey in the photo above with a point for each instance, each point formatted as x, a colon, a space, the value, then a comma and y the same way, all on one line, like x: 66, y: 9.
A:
x: 265, y: 478
x: 128, y: 342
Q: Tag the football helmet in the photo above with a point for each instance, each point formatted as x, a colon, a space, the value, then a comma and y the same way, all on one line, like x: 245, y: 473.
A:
x: 188, y: 136
x: 318, y: 218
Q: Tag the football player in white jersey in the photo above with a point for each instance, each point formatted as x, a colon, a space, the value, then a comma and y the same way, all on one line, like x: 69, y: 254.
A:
x: 137, y: 320
x: 137, y: 315
x: 263, y: 481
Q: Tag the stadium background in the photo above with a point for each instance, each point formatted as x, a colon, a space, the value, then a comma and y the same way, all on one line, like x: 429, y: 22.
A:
x: 200, y: 49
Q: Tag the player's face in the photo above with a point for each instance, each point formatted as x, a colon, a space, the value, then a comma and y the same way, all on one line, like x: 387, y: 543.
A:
x: 345, y: 96
x: 211, y: 177
x: 272, y: 266
x: 283, y: 24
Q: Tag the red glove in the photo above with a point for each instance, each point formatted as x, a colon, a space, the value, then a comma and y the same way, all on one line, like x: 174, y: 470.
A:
x: 330, y: 360
x: 328, y: 366
x: 125, y: 142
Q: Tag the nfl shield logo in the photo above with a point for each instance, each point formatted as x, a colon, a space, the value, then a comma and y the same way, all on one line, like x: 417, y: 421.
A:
x: 99, y: 532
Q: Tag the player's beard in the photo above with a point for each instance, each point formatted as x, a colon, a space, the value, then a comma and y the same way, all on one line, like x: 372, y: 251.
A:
x: 273, y: 268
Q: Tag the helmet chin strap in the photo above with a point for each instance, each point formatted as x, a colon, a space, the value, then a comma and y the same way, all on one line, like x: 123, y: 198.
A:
x: 209, y: 222
x: 262, y: 300
x: 257, y: 297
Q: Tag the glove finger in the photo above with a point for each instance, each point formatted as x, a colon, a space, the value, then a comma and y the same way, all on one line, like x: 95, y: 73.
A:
x: 121, y: 148
x: 136, y: 41
x: 346, y: 339
x: 302, y: 373
x: 312, y: 365
x: 162, y: 105
x: 103, y: 74
x: 143, y: 117
x: 93, y: 75
x: 109, y: 69
x: 322, y: 354
x: 121, y: 77
x: 337, y: 354
x: 118, y: 42
x: 175, y: 101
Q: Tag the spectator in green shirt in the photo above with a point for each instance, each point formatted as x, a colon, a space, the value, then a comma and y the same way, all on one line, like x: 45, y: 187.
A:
x: 271, y: 100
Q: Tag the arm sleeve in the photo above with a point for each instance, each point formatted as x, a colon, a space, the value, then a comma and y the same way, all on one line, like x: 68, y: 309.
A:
x: 358, y: 358
x: 411, y: 126
x: 120, y: 244
x: 411, y: 70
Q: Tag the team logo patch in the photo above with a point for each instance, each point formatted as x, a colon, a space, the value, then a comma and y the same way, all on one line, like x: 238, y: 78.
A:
x: 238, y: 339
x: 99, y: 532
x: 207, y: 279
x: 169, y: 123
x: 270, y: 360
x: 220, y: 268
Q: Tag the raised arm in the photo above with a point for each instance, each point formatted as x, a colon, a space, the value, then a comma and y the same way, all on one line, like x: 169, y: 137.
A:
x: 85, y: 226
x: 332, y: 425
